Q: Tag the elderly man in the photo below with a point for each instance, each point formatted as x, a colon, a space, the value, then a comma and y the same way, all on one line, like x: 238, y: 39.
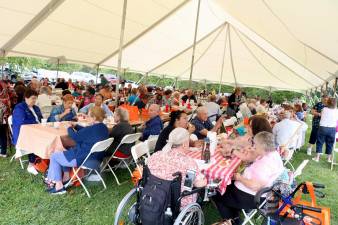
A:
x: 189, y: 96
x: 214, y: 109
x: 287, y: 131
x: 203, y: 124
x: 98, y: 102
x: 154, y: 125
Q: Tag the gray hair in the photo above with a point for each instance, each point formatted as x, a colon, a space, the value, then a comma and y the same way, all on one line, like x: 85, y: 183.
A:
x: 201, y: 109
x: 123, y: 114
x: 177, y: 138
x: 266, y: 140
x: 44, y: 90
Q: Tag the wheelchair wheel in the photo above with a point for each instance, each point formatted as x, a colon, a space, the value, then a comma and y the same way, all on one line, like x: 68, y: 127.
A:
x: 126, y: 211
x: 190, y: 215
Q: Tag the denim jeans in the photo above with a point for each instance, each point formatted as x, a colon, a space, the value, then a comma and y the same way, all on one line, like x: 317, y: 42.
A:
x: 325, y: 135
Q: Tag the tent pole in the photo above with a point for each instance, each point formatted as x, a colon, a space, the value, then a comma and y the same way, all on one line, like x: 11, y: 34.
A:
x: 223, y: 58
x: 335, y: 87
x: 176, y: 83
x: 231, y: 58
x: 194, y: 45
x: 146, y: 79
x: 57, y: 70
x: 97, y: 72
x: 119, y: 60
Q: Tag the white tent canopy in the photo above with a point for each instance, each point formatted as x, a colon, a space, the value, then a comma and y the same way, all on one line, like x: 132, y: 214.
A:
x: 277, y: 44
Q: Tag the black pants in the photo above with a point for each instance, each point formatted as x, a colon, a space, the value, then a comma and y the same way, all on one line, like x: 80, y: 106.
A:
x: 232, y: 202
x: 3, y: 139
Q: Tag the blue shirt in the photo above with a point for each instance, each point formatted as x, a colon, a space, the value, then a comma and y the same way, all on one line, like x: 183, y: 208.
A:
x: 86, y: 109
x: 201, y: 125
x: 133, y: 99
x: 23, y: 115
x: 85, y: 138
x: 57, y: 110
x: 153, y: 127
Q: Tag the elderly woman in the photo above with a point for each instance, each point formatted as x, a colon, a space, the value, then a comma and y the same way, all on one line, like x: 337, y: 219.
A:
x: 63, y: 112
x: 121, y: 129
x: 171, y: 159
x: 98, y: 102
x: 26, y: 113
x: 262, y: 172
x: 85, y: 138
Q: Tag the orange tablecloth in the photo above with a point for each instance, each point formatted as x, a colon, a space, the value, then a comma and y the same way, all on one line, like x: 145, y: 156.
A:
x: 41, y: 140
x: 216, y: 170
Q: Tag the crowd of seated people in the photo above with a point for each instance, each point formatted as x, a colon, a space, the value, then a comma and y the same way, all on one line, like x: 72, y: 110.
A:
x: 258, y: 147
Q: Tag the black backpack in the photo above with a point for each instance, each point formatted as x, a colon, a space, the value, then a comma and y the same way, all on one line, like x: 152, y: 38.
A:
x: 159, y: 200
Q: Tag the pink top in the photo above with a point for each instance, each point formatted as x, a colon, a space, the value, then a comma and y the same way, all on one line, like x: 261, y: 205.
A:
x: 265, y: 169
x: 163, y: 164
x: 88, y: 100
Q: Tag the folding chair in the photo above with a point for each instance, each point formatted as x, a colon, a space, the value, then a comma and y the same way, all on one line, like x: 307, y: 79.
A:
x: 335, y: 150
x: 128, y: 139
x: 138, y: 151
x: 91, y: 165
x: 151, y: 143
x: 248, y: 215
x: 10, y: 123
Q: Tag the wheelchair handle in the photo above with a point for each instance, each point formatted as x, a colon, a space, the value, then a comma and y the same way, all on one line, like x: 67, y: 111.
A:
x: 257, y: 198
x: 316, y: 185
x: 309, y: 208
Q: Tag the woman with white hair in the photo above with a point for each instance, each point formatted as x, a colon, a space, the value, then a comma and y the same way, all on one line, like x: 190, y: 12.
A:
x: 172, y: 159
x: 266, y: 166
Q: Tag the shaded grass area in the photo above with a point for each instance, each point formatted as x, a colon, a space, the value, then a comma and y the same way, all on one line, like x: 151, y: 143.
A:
x: 23, y: 199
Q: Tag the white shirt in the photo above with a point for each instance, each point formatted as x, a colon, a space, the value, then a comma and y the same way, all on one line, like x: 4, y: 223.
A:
x: 285, y: 130
x: 213, y: 108
x: 329, y: 117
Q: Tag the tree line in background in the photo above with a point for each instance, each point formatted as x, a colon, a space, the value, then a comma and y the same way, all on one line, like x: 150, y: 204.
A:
x: 21, y: 64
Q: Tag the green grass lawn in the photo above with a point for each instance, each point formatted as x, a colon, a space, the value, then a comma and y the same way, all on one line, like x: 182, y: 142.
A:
x: 23, y: 199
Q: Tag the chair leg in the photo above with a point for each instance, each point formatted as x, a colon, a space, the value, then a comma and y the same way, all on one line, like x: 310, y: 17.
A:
x: 103, y: 183
x: 333, y: 158
x: 21, y: 163
x: 125, y: 163
x: 248, y: 217
x: 112, y: 171
x: 82, y: 184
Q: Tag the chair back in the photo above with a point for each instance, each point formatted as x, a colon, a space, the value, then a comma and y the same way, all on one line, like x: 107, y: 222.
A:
x: 45, y: 110
x: 151, y: 143
x: 138, y: 151
x: 130, y: 138
x: 98, y: 147
x: 10, y: 123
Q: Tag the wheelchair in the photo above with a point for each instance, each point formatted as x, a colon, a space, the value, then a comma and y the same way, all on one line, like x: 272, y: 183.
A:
x: 192, y: 214
x: 291, y: 209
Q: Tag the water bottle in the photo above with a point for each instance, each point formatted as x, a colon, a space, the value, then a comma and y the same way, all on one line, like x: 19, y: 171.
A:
x: 206, y: 152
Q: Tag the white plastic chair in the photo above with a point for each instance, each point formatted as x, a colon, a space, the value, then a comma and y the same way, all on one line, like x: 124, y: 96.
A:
x: 138, y: 151
x: 151, y: 143
x: 128, y: 139
x: 10, y: 123
x: 335, y: 150
x: 91, y: 165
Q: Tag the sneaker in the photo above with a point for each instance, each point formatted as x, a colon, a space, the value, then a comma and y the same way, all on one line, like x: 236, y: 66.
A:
x: 53, y: 191
x: 308, y: 151
x: 93, y: 178
x: 315, y: 159
x: 32, y: 170
x: 329, y: 160
x: 3, y: 156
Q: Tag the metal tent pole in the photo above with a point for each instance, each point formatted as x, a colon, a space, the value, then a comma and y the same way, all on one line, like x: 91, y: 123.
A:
x: 194, y: 45
x: 223, y: 58
x: 335, y: 87
x: 57, y: 70
x: 231, y: 58
x: 97, y: 72
x: 119, y: 60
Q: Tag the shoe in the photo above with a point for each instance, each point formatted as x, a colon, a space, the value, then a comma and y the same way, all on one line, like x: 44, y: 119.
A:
x: 3, y: 156
x: 53, y: 191
x: 32, y: 170
x: 308, y: 151
x: 93, y: 178
x: 329, y: 160
x: 315, y: 159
